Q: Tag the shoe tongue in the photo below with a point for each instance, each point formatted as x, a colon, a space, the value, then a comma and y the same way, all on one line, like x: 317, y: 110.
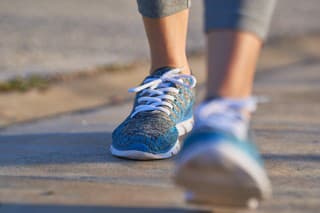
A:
x: 160, y: 71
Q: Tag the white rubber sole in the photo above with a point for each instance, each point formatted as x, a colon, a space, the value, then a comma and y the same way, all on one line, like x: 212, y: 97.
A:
x: 222, y: 176
x: 183, y: 128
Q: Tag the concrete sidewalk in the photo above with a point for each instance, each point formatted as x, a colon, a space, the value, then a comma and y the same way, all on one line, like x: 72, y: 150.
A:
x: 63, y: 164
x: 45, y: 37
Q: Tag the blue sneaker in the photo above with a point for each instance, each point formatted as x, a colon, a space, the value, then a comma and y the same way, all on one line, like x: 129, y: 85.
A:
x: 218, y: 163
x: 162, y: 111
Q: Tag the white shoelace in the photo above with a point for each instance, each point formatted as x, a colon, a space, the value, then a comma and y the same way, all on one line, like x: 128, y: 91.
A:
x: 154, y: 95
x: 227, y: 114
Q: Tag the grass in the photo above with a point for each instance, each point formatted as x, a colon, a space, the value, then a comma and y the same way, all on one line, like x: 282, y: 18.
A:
x: 24, y: 84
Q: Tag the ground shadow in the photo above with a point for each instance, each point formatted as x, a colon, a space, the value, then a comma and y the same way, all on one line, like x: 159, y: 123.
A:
x: 56, y: 148
x: 293, y: 157
x: 28, y: 208
x: 92, y: 147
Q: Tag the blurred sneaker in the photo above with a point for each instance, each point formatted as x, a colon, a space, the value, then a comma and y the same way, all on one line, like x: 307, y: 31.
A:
x: 218, y: 163
x: 162, y: 111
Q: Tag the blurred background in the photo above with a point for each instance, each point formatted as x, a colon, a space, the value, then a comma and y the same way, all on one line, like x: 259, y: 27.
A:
x: 65, y: 68
x: 44, y: 36
x: 55, y: 51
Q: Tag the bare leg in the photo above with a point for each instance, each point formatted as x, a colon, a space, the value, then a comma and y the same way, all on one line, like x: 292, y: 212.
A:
x: 167, y: 40
x: 232, y: 58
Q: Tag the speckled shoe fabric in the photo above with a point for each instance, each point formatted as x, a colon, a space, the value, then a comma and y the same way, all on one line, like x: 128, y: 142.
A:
x: 162, y: 111
x: 219, y: 165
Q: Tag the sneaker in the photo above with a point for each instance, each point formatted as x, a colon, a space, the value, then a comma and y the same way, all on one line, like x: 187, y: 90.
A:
x: 162, y: 111
x: 218, y: 163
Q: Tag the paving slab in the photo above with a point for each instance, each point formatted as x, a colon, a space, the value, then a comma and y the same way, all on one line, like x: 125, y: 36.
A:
x: 46, y: 37
x: 63, y: 163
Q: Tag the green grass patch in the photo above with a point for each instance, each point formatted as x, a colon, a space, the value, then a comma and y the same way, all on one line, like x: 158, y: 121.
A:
x: 24, y: 84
